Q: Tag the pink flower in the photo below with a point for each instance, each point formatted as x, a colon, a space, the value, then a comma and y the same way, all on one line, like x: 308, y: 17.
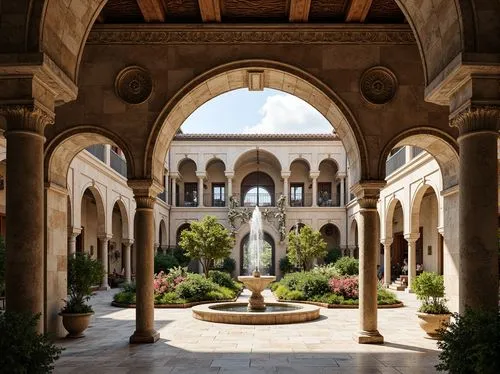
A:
x: 345, y: 286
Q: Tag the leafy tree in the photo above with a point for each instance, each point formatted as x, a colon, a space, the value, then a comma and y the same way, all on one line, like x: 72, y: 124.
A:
x: 305, y: 246
x: 207, y: 241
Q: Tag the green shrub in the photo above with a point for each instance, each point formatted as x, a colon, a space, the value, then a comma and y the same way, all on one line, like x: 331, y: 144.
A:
x: 274, y: 285
x: 386, y: 297
x: 180, y: 256
x: 285, y: 265
x: 332, y: 256
x: 315, y: 285
x: 222, y: 279
x: 294, y: 295
x: 471, y: 344
x: 221, y: 293
x: 281, y: 292
x: 169, y: 298
x: 347, y: 266
x: 124, y: 297
x: 429, y: 288
x: 24, y: 351
x: 328, y: 271
x: 164, y: 262
x: 129, y: 287
x: 195, y: 288
x: 330, y: 298
x: 228, y: 265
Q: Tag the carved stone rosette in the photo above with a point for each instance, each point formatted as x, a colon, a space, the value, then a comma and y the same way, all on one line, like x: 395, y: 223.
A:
x: 26, y: 118
x: 378, y: 85
x: 134, y: 85
x: 475, y: 119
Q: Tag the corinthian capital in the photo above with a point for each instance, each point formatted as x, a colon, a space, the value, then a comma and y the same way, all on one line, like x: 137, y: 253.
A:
x: 145, y: 192
x: 367, y: 193
x: 474, y: 119
x: 27, y: 118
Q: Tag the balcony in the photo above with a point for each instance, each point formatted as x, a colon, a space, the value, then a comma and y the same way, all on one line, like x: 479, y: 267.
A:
x: 395, y: 161
x: 216, y: 200
x: 97, y: 150
x: 162, y: 196
x: 415, y: 151
x: 301, y: 201
x: 118, y: 164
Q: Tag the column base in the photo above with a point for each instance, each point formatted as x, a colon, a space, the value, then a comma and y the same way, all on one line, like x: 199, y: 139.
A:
x: 368, y: 337
x: 104, y: 288
x: 147, y: 337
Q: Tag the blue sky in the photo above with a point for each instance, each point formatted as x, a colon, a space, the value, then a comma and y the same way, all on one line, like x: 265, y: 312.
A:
x: 256, y: 112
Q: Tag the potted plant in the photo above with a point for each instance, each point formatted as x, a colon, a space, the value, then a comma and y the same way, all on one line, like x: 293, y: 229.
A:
x: 433, y: 313
x: 83, y: 273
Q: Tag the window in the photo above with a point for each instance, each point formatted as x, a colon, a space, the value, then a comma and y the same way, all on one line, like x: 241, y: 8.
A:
x: 257, y: 196
x: 297, y: 194
x: 325, y: 194
x: 218, y: 194
x: 190, y: 194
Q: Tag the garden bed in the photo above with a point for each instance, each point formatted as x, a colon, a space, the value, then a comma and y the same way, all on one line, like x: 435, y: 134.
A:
x: 179, y: 306
x: 340, y: 306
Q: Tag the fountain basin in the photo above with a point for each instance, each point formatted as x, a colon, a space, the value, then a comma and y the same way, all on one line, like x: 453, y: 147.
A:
x: 275, y: 313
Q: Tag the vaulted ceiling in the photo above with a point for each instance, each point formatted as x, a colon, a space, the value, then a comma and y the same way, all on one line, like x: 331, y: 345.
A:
x: 251, y: 11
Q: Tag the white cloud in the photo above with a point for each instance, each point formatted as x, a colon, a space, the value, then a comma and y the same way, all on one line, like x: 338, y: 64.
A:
x: 287, y: 114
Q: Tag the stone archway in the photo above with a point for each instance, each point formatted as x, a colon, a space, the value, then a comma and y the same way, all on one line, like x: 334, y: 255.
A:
x: 268, y: 256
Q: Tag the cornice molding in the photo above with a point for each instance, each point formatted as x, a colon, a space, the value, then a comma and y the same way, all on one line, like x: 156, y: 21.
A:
x: 251, y: 34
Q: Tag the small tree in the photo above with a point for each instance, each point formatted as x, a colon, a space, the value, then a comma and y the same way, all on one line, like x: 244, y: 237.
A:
x: 305, y: 246
x: 207, y: 241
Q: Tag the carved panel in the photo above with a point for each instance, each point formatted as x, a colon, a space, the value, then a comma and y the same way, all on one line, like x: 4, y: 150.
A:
x: 328, y: 10
x: 133, y: 85
x: 122, y: 11
x: 182, y: 11
x: 378, y: 85
x: 248, y: 10
x: 385, y: 11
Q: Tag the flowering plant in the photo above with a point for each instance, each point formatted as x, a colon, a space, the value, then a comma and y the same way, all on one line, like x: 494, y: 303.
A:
x: 345, y: 286
x: 164, y: 283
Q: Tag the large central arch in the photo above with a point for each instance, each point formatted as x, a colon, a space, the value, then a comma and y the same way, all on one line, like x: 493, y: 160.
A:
x: 271, y: 74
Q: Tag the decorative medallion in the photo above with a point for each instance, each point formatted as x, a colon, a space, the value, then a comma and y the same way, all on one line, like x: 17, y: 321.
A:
x: 378, y: 85
x: 133, y: 85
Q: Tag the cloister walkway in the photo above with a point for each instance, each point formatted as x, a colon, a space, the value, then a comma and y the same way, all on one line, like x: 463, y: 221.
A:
x: 191, y: 346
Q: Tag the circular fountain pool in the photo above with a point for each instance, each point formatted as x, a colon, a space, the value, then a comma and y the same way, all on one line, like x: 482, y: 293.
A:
x: 237, y: 313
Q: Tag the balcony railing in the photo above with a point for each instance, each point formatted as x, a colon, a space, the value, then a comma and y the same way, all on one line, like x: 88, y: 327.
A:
x: 118, y: 164
x: 97, y: 150
x: 394, y: 162
x: 162, y: 196
x: 305, y: 200
x: 214, y: 200
x: 415, y: 151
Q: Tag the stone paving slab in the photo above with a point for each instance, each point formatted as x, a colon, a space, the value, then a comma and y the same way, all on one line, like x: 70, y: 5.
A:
x: 191, y: 346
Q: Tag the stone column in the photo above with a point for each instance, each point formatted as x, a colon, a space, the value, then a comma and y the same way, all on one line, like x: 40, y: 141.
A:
x: 72, y: 234
x: 174, y: 189
x: 126, y: 258
x: 107, y: 154
x: 145, y: 192
x: 478, y: 204
x: 314, y: 176
x: 342, y: 190
x: 351, y: 251
x: 367, y: 194
x: 24, y: 278
x: 229, y: 177
x: 412, y: 258
x: 103, y: 244
x: 200, y: 189
x: 286, y: 189
x: 387, y: 261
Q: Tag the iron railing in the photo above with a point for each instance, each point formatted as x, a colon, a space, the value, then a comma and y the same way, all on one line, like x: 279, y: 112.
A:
x: 97, y: 150
x: 395, y: 161
x: 416, y: 151
x: 216, y: 200
x: 118, y: 164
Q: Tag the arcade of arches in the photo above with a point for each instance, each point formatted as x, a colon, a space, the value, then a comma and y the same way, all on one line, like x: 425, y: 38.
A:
x: 67, y: 84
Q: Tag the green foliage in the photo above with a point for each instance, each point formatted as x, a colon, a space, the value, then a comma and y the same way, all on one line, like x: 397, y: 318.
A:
x: 129, y: 287
x: 471, y: 344
x: 305, y: 246
x: 285, y: 265
x: 24, y: 351
x: 195, y: 288
x: 222, y: 279
x: 228, y: 265
x: 284, y: 293
x: 169, y: 298
x: 386, y: 297
x: 180, y: 255
x: 330, y: 299
x: 83, y: 273
x: 125, y: 297
x: 309, y: 283
x: 347, y: 266
x: 207, y: 241
x: 429, y: 288
x: 222, y: 293
x: 329, y: 271
x: 2, y: 266
x: 164, y: 262
x: 332, y: 256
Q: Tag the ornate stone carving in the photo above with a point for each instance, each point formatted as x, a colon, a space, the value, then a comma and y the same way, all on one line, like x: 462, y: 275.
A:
x: 367, y: 193
x: 474, y: 119
x: 336, y: 34
x: 145, y: 192
x: 133, y: 85
x: 378, y: 85
x: 27, y: 118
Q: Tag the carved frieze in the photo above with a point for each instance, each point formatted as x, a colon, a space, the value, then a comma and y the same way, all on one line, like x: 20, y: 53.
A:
x: 250, y: 35
x: 378, y: 85
x: 133, y: 85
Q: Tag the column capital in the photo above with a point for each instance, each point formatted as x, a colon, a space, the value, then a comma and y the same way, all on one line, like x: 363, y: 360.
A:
x: 314, y: 174
x: 127, y: 242
x: 412, y: 237
x: 74, y: 231
x: 229, y: 174
x: 286, y: 174
x: 104, y: 236
x: 174, y: 176
x: 367, y: 193
x: 145, y: 192
x: 341, y: 175
x: 477, y: 119
x: 386, y: 242
x: 30, y: 118
x: 201, y: 174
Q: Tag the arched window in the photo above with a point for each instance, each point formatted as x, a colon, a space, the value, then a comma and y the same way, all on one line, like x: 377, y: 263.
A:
x: 257, y: 189
x: 266, y: 258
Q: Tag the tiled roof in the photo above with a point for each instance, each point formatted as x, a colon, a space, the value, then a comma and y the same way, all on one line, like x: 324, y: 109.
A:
x: 283, y: 137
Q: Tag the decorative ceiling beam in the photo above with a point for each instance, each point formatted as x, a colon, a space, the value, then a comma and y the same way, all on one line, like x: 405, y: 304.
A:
x: 210, y: 10
x: 358, y: 10
x: 299, y: 10
x: 152, y: 10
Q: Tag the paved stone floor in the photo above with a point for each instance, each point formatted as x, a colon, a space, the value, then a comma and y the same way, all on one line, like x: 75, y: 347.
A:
x: 191, y: 346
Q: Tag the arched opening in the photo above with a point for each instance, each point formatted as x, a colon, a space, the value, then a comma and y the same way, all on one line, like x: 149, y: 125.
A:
x: 257, y: 189
x: 300, y: 193
x: 116, y: 246
x: 353, y: 240
x: 163, y: 235
x: 215, y: 184
x: 187, y: 190
x: 328, y: 189
x: 331, y: 235
x: 267, y: 257
x: 395, y: 227
x: 93, y: 221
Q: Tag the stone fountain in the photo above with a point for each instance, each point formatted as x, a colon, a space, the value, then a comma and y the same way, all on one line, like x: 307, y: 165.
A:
x: 256, y: 312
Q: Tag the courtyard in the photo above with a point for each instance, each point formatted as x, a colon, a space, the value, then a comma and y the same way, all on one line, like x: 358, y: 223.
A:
x: 191, y: 346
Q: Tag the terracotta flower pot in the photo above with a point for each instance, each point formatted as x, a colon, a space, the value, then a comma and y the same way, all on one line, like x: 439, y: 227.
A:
x: 76, y: 323
x: 430, y: 323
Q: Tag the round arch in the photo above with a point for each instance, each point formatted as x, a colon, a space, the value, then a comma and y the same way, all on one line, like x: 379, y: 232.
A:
x: 416, y: 204
x: 331, y: 235
x: 278, y: 76
x: 124, y: 215
x: 61, y: 151
x: 180, y: 229
x: 264, y: 154
x: 185, y: 160
x: 439, y: 144
x: 353, y: 233
x: 163, y: 233
x: 213, y: 160
x: 267, y: 258
x: 257, y: 188
x: 99, y: 201
x: 299, y: 159
x: 329, y: 159
x: 389, y: 215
